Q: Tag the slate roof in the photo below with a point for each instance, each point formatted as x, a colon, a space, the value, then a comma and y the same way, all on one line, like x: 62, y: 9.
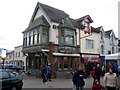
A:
x: 66, y: 23
x: 53, y: 13
x: 107, y: 33
x: 37, y: 22
x: 98, y: 28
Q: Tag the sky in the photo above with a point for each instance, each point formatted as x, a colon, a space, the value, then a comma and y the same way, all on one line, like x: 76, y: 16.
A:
x: 15, y: 16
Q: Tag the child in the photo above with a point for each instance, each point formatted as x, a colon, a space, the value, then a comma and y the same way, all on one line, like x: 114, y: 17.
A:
x: 97, y: 85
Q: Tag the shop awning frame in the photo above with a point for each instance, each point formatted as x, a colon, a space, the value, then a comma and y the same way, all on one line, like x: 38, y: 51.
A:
x: 68, y: 55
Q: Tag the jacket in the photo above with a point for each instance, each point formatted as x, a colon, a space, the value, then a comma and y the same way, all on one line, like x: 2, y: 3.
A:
x: 110, y: 80
x: 97, y: 87
x: 77, y: 80
x: 48, y: 69
x: 98, y: 72
x: 92, y: 73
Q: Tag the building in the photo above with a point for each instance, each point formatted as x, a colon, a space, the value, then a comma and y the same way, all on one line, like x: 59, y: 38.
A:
x: 52, y: 36
x: 10, y: 57
x: 19, y: 58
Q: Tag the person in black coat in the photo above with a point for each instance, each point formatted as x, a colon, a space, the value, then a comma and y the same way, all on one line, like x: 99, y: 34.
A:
x: 78, y: 78
x: 98, y: 72
x: 44, y: 74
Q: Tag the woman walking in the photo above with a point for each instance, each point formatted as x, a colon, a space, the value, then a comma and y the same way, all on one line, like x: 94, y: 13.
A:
x: 110, y: 80
x: 92, y: 73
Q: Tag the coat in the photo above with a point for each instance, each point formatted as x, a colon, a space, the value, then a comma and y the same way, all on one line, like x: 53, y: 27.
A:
x: 97, y: 87
x: 92, y: 73
x: 48, y: 69
x: 110, y: 80
x: 77, y: 80
x: 98, y: 72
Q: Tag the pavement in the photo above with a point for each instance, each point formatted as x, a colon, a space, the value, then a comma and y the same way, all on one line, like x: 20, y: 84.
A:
x: 33, y: 82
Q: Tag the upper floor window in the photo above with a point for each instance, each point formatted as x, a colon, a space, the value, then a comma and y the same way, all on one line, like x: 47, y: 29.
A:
x: 113, y: 50
x: 66, y: 36
x: 102, y: 49
x: 86, y: 26
x: 45, y: 35
x: 89, y: 44
x: 19, y: 54
x: 31, y: 38
x: 16, y: 54
x: 101, y: 36
x: 35, y: 36
x: 27, y: 39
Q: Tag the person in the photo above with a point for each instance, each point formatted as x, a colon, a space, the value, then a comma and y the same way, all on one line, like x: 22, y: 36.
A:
x: 49, y: 72
x: 78, y: 78
x: 97, y: 85
x: 92, y: 73
x: 98, y: 72
x: 116, y: 69
x: 44, y: 74
x: 103, y: 70
x: 110, y: 80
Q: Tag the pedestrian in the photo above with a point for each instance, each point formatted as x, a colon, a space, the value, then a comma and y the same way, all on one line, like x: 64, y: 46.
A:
x: 78, y: 78
x: 98, y: 72
x: 103, y: 70
x: 110, y: 80
x: 49, y: 72
x: 92, y: 73
x: 116, y: 69
x: 97, y: 85
x: 44, y: 74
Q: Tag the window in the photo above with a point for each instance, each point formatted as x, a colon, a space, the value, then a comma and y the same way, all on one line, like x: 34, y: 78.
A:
x: 102, y: 49
x: 16, y: 54
x: 109, y: 52
x: 101, y: 35
x: 35, y: 36
x: 86, y: 26
x: 89, y: 44
x: 4, y: 75
x: 19, y: 54
x: 44, y: 35
x: 65, y: 62
x: 31, y: 38
x: 27, y: 41
x: 67, y: 36
x: 39, y: 36
x: 113, y: 51
x: 11, y: 75
x: 24, y: 40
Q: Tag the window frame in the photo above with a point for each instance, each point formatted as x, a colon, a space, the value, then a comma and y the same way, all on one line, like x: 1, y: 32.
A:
x: 88, y: 31
x: 90, y: 45
x: 65, y: 34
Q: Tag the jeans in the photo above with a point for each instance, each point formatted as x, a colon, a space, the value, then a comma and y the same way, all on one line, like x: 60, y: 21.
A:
x: 79, y: 88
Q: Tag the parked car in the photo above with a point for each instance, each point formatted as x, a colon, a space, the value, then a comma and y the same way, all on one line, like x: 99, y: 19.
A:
x: 10, y: 80
x: 10, y: 66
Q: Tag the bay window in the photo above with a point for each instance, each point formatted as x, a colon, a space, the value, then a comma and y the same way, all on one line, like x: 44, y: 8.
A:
x: 27, y: 39
x: 31, y: 38
x: 44, y: 35
x: 67, y: 36
x: 35, y: 36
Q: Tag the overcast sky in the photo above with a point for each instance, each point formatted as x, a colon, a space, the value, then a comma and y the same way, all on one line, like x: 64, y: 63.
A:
x: 16, y: 14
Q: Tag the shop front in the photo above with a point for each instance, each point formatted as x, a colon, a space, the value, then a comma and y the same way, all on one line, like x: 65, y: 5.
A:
x: 90, y: 62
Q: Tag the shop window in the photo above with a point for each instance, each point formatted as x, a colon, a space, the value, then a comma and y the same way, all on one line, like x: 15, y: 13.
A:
x: 65, y: 59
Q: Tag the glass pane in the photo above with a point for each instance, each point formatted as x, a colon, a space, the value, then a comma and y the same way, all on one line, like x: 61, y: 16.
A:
x: 65, y: 62
x: 86, y: 26
x: 45, y: 35
x: 27, y: 41
x: 35, y: 39
x: 39, y: 38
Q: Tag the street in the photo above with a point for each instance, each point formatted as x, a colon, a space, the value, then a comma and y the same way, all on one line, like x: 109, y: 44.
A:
x: 33, y: 82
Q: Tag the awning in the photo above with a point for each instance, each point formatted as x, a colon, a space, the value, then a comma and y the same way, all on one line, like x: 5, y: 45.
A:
x: 91, y: 60
x: 68, y: 55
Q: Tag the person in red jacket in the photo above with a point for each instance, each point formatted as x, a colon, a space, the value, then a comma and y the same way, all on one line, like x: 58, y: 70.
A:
x: 97, y: 85
x: 93, y: 73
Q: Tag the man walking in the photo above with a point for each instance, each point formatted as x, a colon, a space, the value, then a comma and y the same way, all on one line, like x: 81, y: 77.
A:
x: 98, y: 72
x: 49, y: 72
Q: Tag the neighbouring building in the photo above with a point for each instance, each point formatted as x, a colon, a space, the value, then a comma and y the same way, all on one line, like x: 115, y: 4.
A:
x: 9, y: 57
x: 53, y: 37
x: 19, y: 58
